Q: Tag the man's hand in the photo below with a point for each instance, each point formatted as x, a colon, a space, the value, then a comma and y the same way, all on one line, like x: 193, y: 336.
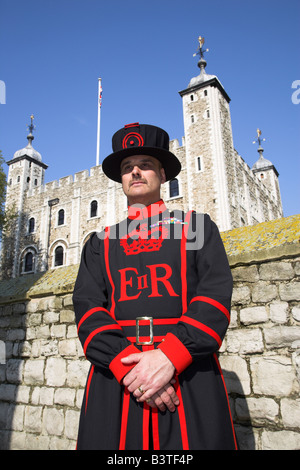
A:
x: 153, y: 375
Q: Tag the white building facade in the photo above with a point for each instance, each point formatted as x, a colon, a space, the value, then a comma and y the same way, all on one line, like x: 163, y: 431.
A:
x: 54, y: 220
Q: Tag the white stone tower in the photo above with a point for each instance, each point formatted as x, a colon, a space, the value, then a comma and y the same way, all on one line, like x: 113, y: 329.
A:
x: 26, y: 172
x: 267, y: 174
x: 209, y: 144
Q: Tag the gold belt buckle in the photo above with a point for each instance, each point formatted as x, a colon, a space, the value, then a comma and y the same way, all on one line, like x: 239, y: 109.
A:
x: 138, y: 319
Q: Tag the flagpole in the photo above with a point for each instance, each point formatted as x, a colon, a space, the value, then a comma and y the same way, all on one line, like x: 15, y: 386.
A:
x: 98, y: 125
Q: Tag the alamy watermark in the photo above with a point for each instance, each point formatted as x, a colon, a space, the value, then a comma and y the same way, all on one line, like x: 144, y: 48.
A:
x: 296, y: 94
x: 2, y: 92
x: 153, y: 228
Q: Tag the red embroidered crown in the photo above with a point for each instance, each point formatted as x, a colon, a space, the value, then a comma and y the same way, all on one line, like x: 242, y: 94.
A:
x: 143, y: 244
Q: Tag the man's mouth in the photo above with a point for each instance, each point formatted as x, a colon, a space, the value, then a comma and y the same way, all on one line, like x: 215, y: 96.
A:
x: 137, y: 183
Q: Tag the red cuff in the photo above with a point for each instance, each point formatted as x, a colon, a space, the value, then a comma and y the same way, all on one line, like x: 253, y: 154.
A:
x: 178, y: 354
x: 117, y: 367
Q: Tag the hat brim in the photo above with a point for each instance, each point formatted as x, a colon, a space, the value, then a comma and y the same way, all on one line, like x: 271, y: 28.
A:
x: 170, y: 163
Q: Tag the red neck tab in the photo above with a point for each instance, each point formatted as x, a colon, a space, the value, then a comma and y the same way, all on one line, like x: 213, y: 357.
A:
x: 139, y: 212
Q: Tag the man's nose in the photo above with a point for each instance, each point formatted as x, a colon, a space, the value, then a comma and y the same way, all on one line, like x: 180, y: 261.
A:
x: 136, y: 170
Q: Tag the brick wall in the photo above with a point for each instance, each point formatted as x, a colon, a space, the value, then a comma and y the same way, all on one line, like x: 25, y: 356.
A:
x: 43, y: 371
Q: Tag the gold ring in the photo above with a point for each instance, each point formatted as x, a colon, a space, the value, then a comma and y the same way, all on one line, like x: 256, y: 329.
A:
x: 141, y: 390
x: 148, y: 400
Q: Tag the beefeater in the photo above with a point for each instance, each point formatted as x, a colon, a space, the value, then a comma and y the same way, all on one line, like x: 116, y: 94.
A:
x: 152, y: 305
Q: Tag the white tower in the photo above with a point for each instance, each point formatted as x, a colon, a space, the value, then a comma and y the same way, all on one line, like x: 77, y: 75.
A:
x: 26, y: 171
x: 209, y: 144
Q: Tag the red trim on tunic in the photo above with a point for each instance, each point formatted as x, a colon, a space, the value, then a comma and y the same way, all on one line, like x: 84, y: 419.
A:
x: 90, y: 312
x: 202, y: 327
x: 181, y: 414
x: 106, y: 257
x: 213, y: 302
x: 225, y: 388
x: 117, y: 367
x: 183, y: 262
x: 88, y: 386
x: 124, y: 419
x: 98, y: 330
x: 175, y: 350
x: 155, y: 429
x: 146, y: 419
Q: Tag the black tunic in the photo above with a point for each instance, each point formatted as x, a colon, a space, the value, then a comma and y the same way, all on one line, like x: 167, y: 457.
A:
x: 171, y: 267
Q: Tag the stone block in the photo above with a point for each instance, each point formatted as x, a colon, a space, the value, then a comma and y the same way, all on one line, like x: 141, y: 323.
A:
x: 244, y: 341
x: 67, y: 301
x: 273, y: 375
x: 281, y: 336
x: 19, y: 308
x: 280, y: 440
x: 71, y: 424
x: 254, y: 315
x: 67, y: 316
x: 263, y: 292
x: 22, y: 394
x: 7, y: 392
x: 33, y: 419
x: 296, y: 313
x: 77, y: 373
x: 58, y: 331
x: 14, y: 370
x: 33, y: 319
x: 290, y: 412
x: 290, y: 291
x: 34, y: 372
x: 279, y: 270
x: 245, y: 273
x: 241, y: 295
x: 16, y: 417
x: 67, y: 347
x: 15, y: 335
x: 236, y: 374
x: 51, y: 317
x: 279, y: 312
x: 65, y: 396
x: 258, y: 411
x: 55, y: 372
x: 53, y: 421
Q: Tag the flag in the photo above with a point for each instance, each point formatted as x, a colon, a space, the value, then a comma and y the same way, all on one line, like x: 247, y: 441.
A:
x: 100, y: 96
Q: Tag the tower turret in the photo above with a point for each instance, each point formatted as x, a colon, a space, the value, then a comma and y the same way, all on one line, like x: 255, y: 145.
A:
x: 26, y: 171
x: 209, y: 145
x: 267, y: 173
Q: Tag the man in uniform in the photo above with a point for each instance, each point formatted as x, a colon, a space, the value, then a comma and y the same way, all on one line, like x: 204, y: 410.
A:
x: 152, y: 305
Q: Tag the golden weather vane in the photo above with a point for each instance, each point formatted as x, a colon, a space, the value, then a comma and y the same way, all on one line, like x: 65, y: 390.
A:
x: 200, y: 50
x: 258, y: 140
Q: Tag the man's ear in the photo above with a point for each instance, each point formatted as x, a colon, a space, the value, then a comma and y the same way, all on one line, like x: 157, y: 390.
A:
x: 162, y: 176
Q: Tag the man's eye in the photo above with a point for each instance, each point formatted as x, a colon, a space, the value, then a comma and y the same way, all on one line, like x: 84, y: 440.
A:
x: 126, y: 169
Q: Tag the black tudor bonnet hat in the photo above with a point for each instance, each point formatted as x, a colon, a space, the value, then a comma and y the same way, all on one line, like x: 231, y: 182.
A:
x: 140, y: 139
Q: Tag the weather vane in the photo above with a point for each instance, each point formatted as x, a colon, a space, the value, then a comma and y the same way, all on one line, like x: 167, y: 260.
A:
x: 200, y: 50
x: 31, y: 126
x: 258, y: 140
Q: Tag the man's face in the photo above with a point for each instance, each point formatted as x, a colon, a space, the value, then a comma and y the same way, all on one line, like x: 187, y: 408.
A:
x: 142, y: 177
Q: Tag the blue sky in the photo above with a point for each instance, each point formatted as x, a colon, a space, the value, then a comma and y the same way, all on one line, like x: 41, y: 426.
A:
x: 53, y: 51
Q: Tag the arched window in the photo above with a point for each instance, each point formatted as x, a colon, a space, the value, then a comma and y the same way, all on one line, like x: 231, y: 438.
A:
x: 93, y: 209
x: 59, y: 256
x: 31, y: 225
x: 61, y: 217
x: 174, y: 188
x: 28, y: 264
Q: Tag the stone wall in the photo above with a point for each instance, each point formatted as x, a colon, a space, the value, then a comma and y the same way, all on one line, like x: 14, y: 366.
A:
x: 43, y: 371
